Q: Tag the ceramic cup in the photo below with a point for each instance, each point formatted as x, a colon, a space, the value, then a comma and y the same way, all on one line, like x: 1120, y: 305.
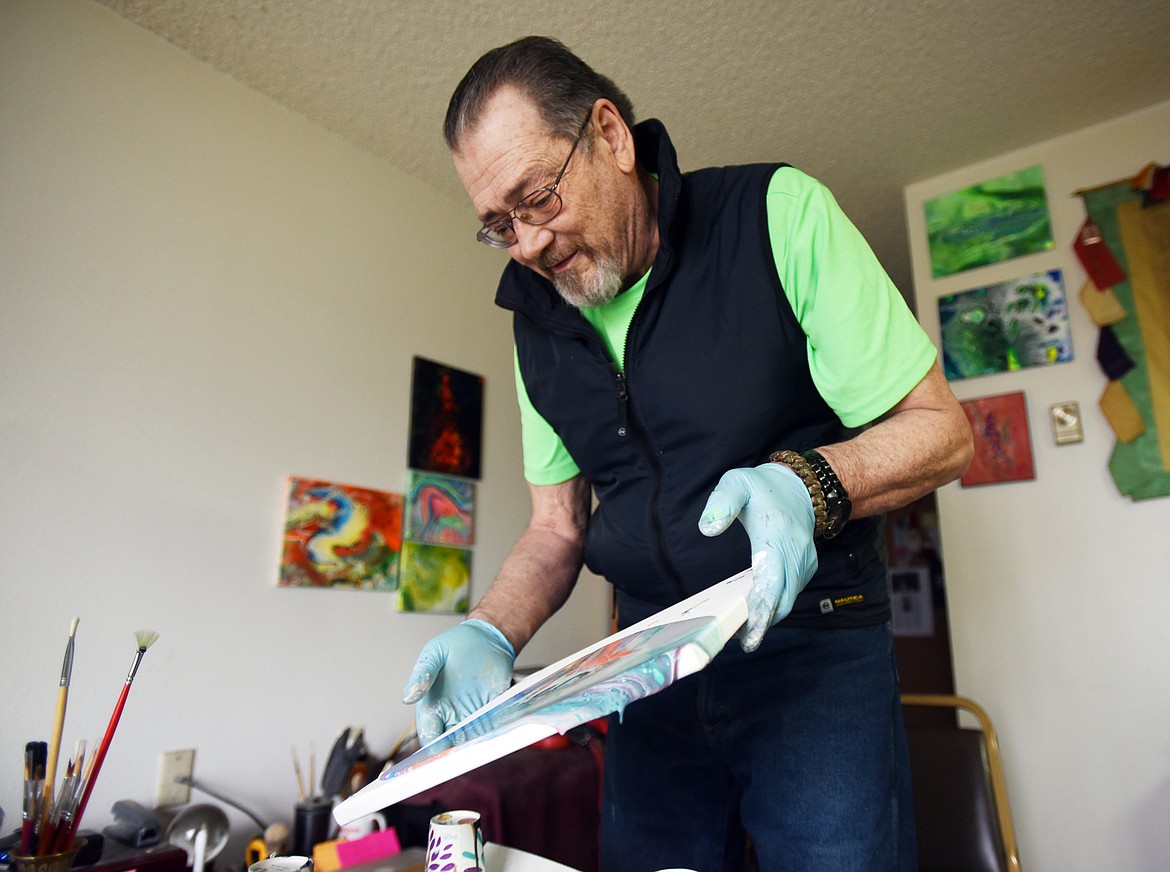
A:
x: 455, y: 843
x: 363, y: 826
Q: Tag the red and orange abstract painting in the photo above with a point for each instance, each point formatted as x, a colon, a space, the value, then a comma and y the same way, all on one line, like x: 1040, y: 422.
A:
x: 338, y: 535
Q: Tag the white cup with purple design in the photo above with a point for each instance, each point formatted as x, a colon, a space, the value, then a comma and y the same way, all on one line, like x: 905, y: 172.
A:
x: 455, y: 843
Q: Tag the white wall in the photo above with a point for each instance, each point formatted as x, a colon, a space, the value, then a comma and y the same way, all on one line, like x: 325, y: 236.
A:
x: 201, y: 293
x: 1058, y: 588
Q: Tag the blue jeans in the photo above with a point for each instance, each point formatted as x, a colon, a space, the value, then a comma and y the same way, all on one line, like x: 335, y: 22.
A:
x: 800, y: 744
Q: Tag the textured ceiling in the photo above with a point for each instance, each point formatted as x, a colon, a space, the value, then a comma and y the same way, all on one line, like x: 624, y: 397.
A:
x: 866, y: 95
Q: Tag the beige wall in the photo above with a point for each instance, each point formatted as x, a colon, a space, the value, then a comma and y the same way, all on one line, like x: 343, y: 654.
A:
x: 1059, y: 588
x: 201, y: 293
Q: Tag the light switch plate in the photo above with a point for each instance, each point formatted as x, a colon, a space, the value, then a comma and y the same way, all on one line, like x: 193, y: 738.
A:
x: 1066, y: 422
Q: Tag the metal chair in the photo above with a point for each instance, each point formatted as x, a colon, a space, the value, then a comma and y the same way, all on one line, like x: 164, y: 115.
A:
x: 960, y: 799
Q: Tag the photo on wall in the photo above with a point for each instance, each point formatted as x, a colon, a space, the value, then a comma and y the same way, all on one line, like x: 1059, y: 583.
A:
x: 1005, y: 327
x: 986, y: 223
x: 340, y: 536
x: 1003, y: 446
x: 446, y: 419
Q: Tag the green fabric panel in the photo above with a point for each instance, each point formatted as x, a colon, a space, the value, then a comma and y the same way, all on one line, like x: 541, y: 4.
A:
x: 1136, y: 466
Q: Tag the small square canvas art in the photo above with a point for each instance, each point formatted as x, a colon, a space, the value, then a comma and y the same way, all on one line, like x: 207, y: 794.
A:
x: 440, y: 509
x: 1005, y: 327
x: 446, y: 419
x: 1003, y: 446
x: 434, y: 578
x: 996, y: 220
x: 338, y: 535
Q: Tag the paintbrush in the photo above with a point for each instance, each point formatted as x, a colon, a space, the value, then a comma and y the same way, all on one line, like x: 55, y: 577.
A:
x: 58, y: 726
x: 34, y: 784
x: 300, y: 779
x: 312, y: 770
x: 143, y: 639
x: 63, y: 803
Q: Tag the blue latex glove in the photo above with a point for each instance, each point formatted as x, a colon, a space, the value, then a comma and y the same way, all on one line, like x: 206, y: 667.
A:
x: 775, y: 508
x: 457, y: 672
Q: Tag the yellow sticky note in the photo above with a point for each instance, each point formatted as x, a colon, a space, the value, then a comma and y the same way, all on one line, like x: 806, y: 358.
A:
x: 1103, y: 306
x: 1123, y: 416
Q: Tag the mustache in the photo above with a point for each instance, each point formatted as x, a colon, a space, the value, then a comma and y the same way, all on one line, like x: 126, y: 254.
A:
x: 550, y: 259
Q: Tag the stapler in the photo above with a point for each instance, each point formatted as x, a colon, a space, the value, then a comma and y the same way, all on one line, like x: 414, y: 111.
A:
x: 134, y: 825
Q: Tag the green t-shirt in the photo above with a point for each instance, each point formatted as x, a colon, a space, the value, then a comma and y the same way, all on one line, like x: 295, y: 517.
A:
x: 866, y: 351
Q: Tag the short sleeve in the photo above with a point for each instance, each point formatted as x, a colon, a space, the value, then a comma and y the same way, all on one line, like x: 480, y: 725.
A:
x: 866, y: 350
x: 546, y: 460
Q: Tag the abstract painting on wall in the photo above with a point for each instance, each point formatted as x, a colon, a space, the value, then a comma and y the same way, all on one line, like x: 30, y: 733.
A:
x: 337, y: 535
x: 440, y: 509
x: 434, y: 578
x: 1003, y: 447
x: 446, y: 419
x: 1005, y: 327
x: 999, y: 219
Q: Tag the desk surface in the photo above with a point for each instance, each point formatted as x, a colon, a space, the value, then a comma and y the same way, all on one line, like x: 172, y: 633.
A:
x: 116, y: 857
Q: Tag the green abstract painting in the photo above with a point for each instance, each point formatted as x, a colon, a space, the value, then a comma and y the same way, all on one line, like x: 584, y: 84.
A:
x: 434, y: 578
x: 997, y: 220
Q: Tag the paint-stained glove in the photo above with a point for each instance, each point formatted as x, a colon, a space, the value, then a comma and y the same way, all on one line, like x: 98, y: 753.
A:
x: 775, y: 508
x: 457, y: 672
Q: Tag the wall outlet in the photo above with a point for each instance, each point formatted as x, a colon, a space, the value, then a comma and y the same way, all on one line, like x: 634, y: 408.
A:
x: 172, y: 765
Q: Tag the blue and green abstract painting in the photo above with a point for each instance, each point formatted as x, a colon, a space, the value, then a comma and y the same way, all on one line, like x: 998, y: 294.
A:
x: 1005, y: 327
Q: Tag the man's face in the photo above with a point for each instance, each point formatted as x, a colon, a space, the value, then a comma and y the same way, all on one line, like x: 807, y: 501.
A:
x: 509, y: 154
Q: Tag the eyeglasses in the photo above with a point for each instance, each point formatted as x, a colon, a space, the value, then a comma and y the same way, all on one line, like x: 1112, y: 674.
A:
x: 539, y: 207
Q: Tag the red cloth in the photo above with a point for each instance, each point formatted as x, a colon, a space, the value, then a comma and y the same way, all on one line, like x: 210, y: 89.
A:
x: 541, y: 801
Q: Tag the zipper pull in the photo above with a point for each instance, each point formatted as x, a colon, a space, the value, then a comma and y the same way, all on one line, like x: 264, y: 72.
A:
x: 623, y: 404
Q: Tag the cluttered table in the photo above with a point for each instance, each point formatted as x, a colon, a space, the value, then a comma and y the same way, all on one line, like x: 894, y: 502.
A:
x: 544, y: 801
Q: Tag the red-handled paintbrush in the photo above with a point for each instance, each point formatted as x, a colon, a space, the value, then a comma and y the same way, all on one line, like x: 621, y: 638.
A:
x: 143, y: 639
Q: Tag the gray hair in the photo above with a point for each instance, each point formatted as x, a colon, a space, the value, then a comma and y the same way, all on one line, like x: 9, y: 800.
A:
x: 563, y: 87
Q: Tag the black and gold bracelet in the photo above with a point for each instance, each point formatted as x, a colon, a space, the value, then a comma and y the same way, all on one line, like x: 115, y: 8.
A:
x: 831, y: 505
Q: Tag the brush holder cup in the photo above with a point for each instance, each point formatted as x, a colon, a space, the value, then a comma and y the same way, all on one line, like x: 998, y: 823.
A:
x: 48, y: 862
x: 313, y: 820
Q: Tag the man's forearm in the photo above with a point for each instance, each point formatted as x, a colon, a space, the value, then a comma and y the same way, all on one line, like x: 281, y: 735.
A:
x: 924, y: 443
x: 542, y: 567
x: 535, y: 580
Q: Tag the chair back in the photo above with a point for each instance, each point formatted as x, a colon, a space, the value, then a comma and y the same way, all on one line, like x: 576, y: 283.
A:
x: 960, y: 799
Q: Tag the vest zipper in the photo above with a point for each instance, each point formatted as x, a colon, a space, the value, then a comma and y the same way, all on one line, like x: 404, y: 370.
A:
x: 626, y: 425
x: 623, y: 404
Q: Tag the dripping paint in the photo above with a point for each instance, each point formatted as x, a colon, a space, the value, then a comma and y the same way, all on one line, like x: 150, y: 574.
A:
x: 996, y: 220
x: 446, y: 419
x: 434, y: 578
x: 440, y: 509
x: 337, y: 535
x: 1005, y: 327
x: 1003, y: 447
x: 597, y: 681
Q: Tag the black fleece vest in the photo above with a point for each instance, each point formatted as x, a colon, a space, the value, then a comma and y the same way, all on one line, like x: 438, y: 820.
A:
x: 716, y: 377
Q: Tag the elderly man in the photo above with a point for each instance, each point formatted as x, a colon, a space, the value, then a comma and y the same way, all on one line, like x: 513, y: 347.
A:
x: 694, y: 349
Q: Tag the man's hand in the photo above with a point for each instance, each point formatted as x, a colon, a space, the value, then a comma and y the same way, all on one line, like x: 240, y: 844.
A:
x: 775, y: 508
x: 457, y: 672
